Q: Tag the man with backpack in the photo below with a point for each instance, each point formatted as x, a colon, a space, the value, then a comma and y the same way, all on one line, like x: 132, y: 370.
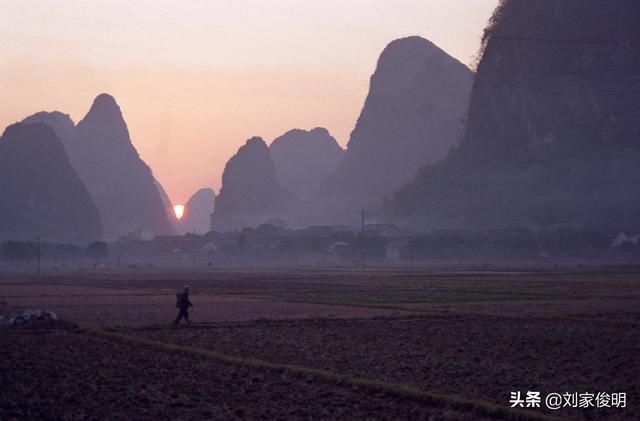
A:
x: 183, y: 304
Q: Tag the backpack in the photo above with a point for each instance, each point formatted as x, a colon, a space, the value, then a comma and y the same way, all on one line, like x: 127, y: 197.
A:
x: 178, y: 299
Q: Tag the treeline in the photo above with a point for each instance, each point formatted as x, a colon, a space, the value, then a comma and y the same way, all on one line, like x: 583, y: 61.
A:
x: 17, y: 251
x: 559, y: 244
x: 269, y: 244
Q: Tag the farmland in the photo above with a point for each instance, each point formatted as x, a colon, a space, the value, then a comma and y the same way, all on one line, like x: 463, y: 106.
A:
x: 442, y: 343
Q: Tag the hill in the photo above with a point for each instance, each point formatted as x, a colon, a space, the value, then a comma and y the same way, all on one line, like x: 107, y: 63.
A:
x: 41, y: 194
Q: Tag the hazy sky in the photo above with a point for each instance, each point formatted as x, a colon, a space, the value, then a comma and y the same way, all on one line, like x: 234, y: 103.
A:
x: 196, y: 78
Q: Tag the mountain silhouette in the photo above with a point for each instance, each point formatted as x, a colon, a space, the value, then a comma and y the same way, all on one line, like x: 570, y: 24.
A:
x: 197, y: 212
x: 41, y: 194
x: 304, y: 159
x: 553, y: 126
x: 61, y: 124
x: 250, y: 193
x: 563, y: 86
x: 121, y: 184
x: 168, y: 205
x: 412, y: 116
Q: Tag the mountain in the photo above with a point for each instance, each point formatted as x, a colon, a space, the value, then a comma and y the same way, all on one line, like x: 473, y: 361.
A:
x: 168, y: 205
x: 197, y: 212
x: 561, y: 85
x: 250, y: 193
x: 552, y: 134
x: 412, y: 116
x: 61, y: 124
x: 119, y: 181
x: 40, y: 193
x: 304, y: 159
x: 121, y: 184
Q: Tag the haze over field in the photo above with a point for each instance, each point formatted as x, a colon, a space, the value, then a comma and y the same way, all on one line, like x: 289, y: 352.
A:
x: 195, y: 79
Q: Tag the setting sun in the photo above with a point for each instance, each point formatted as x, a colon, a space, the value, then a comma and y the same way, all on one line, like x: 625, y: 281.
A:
x: 179, y: 211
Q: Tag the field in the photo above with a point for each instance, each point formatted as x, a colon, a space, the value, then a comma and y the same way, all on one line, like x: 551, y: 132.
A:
x: 429, y: 343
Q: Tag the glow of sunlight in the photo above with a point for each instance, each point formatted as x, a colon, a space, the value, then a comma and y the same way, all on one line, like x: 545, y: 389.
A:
x: 179, y: 211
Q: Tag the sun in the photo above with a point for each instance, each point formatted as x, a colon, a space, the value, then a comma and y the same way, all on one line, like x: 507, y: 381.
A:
x: 179, y: 211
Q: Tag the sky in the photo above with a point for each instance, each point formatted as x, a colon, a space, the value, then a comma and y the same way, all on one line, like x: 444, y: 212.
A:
x: 196, y: 78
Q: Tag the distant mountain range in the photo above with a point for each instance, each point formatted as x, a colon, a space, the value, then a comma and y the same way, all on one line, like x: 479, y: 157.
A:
x: 412, y: 116
x: 545, y: 134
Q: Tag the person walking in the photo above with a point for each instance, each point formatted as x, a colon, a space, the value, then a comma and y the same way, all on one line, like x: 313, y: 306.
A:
x: 183, y: 303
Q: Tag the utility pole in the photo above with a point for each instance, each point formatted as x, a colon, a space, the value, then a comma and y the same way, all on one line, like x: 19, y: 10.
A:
x: 362, y: 244
x: 38, y: 256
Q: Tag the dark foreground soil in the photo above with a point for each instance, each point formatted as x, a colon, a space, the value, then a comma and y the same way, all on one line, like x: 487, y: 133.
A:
x: 65, y: 375
x: 474, y: 357
x: 475, y: 335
